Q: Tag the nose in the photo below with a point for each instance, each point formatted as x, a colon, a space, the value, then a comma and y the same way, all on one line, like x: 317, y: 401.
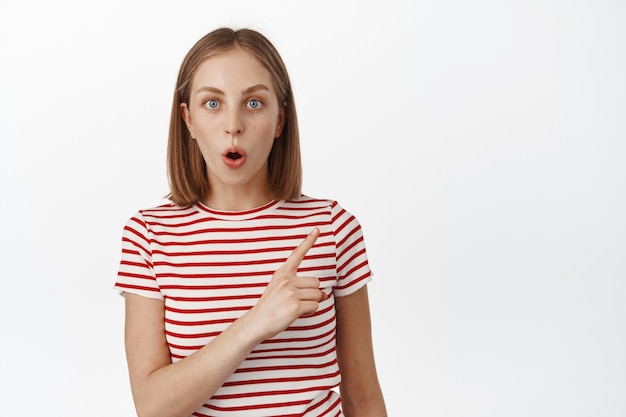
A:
x: 234, y: 122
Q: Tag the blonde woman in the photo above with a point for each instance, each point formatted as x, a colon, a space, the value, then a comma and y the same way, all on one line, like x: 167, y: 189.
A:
x: 243, y: 296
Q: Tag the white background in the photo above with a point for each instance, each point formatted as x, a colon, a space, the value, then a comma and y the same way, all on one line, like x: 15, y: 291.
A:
x: 482, y: 145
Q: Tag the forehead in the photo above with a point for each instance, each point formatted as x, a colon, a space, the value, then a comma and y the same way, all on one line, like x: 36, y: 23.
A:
x: 234, y: 67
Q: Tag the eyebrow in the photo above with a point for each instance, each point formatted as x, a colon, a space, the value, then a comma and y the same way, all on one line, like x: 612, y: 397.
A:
x: 248, y: 90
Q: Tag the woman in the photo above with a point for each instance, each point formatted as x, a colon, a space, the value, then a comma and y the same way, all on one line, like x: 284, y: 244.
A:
x: 243, y: 296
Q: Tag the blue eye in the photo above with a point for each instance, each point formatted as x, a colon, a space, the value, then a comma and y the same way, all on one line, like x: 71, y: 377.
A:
x: 212, y: 104
x: 255, y: 104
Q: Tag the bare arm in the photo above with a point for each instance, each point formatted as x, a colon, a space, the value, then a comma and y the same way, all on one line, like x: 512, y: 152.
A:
x: 165, y: 389
x: 360, y: 389
x: 161, y: 388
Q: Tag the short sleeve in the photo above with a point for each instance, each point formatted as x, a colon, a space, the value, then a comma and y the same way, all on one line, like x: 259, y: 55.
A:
x: 136, y: 273
x: 353, y: 269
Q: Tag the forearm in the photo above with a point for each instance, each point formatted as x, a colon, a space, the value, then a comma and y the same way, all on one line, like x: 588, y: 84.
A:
x: 178, y: 389
x: 163, y: 389
x: 361, y: 405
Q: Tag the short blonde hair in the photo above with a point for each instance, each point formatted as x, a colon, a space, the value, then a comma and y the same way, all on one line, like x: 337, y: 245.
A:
x: 186, y: 168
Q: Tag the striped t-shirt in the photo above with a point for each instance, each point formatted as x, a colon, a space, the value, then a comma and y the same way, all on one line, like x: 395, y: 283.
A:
x: 210, y: 267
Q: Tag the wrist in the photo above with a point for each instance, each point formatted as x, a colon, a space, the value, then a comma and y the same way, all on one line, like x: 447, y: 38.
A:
x: 247, y: 331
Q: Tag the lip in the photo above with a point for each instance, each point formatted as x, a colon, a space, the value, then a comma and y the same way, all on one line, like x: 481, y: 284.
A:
x: 229, y: 161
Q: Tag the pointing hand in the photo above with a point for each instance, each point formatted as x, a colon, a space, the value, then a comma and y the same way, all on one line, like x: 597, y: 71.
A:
x: 288, y: 296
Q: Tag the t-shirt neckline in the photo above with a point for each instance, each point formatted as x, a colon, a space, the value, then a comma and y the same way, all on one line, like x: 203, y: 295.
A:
x: 237, y: 214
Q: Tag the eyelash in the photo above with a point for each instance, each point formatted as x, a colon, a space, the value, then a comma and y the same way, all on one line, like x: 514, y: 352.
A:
x: 206, y: 103
x: 260, y: 103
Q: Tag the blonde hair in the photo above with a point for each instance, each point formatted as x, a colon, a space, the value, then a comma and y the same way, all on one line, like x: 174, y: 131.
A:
x: 186, y: 168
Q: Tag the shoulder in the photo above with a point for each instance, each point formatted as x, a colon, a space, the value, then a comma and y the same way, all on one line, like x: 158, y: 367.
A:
x: 339, y: 217
x: 145, y: 221
x: 167, y: 210
x: 307, y: 202
x: 304, y: 206
x: 164, y: 213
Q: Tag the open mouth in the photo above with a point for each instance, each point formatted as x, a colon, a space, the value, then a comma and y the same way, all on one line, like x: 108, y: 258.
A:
x: 233, y: 155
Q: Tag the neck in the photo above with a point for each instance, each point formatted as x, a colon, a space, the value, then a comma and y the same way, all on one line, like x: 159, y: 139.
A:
x: 238, y: 199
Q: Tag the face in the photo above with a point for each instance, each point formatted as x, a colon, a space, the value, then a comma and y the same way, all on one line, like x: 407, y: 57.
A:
x: 234, y: 115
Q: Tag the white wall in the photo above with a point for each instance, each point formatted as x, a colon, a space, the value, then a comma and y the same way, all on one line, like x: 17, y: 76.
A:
x: 481, y: 144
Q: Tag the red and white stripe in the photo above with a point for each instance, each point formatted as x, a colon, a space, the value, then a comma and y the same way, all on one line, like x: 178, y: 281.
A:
x: 211, y: 266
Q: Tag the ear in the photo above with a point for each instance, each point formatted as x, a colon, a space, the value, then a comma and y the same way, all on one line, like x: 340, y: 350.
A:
x: 184, y: 112
x: 282, y: 115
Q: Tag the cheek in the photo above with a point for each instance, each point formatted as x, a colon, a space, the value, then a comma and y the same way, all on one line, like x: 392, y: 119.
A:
x: 262, y: 128
x: 207, y: 130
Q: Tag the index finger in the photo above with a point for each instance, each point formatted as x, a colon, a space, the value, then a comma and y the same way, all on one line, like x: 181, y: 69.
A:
x: 298, y: 254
